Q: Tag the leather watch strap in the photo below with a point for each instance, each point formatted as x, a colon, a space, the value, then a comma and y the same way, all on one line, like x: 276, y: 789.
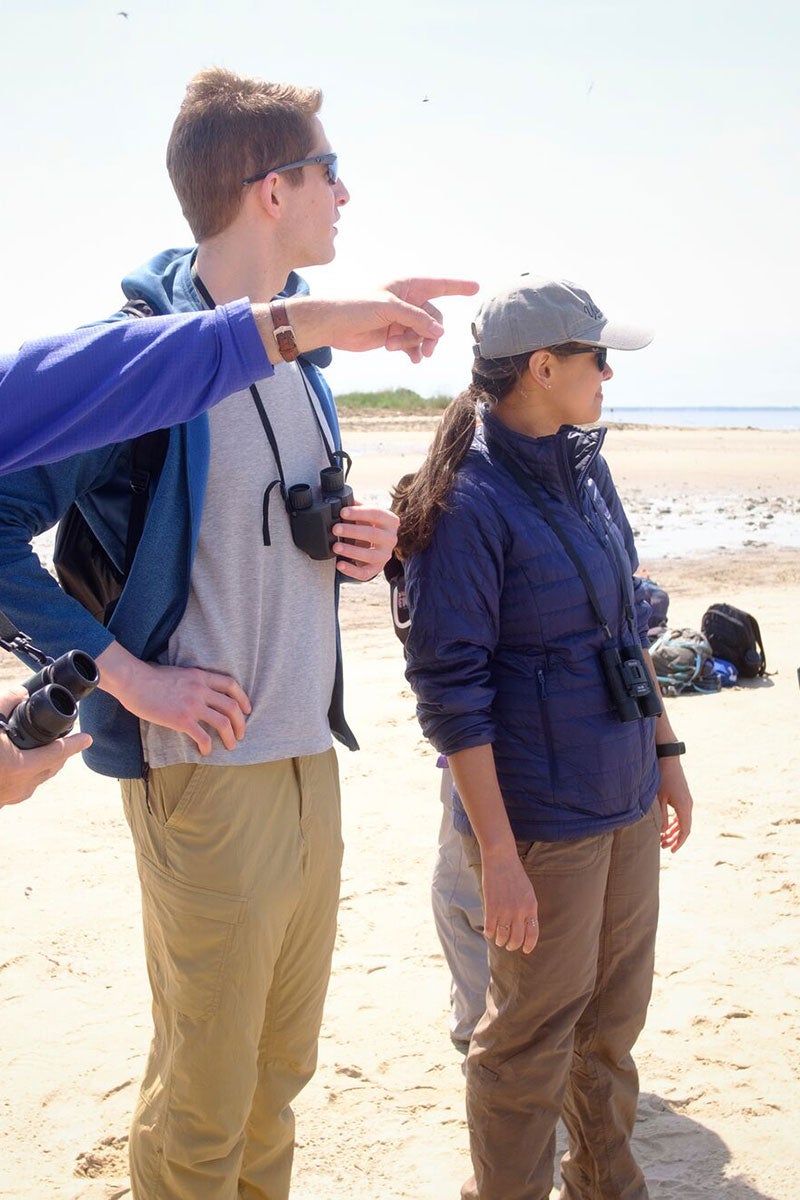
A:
x: 282, y: 329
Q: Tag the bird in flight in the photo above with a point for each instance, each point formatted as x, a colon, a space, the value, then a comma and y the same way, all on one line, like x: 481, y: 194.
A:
x: 122, y: 14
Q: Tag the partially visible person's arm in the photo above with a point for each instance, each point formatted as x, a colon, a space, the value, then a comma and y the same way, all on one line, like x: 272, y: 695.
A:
x: 21, y: 771
x: 673, y: 789
x: 32, y: 501
x: 510, y: 905
x: 454, y: 593
x: 111, y: 382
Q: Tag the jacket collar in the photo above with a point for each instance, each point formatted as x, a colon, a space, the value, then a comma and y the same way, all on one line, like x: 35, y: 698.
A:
x: 559, y: 462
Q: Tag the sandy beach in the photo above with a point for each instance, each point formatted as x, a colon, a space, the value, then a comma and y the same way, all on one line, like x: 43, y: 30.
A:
x: 718, y: 518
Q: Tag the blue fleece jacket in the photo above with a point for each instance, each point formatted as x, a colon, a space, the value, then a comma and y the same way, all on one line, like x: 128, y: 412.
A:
x: 61, y: 395
x: 504, y: 645
x: 157, y: 588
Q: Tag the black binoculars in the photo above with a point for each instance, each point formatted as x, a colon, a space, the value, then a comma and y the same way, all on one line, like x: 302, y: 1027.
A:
x: 311, y: 519
x: 629, y: 683
x: 52, y: 705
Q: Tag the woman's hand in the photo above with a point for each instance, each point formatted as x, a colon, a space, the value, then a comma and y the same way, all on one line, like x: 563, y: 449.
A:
x: 510, y: 906
x: 510, y: 911
x: 673, y: 793
x: 673, y: 790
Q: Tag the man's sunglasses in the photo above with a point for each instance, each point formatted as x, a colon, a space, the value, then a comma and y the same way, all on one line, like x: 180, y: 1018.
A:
x: 600, y: 353
x: 323, y: 160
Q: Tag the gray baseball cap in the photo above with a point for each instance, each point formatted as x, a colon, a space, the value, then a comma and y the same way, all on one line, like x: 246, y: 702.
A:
x: 536, y: 312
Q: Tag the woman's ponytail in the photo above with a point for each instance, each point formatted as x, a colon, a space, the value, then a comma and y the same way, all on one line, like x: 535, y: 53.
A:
x: 420, y: 502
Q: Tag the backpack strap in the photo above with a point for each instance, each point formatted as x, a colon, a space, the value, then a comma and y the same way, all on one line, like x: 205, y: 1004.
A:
x: 83, y: 566
x: 762, y: 670
x: 149, y: 452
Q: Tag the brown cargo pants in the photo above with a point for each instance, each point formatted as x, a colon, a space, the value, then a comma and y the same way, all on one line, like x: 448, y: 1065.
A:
x: 560, y: 1024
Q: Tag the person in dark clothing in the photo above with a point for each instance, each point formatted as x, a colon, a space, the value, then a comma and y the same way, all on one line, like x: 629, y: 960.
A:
x: 526, y: 654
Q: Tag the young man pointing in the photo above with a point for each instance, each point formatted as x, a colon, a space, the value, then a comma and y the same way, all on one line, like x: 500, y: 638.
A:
x: 221, y: 680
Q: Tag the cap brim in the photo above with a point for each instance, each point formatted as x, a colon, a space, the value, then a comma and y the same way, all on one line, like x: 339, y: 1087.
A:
x: 615, y: 335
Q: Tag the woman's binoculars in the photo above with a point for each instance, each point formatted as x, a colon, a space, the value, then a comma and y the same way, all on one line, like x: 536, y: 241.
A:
x: 312, y: 520
x: 51, y: 708
x: 629, y: 683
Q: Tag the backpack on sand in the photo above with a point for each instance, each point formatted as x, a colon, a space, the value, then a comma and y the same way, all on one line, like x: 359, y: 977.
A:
x: 684, y: 662
x: 84, y: 569
x: 735, y: 636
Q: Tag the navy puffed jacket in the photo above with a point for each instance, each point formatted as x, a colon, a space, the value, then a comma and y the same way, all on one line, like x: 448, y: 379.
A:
x: 504, y: 643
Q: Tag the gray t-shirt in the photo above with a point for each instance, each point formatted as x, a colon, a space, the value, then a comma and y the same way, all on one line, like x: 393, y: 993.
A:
x: 262, y: 614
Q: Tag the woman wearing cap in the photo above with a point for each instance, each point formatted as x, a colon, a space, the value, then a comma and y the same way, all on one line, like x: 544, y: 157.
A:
x: 525, y: 655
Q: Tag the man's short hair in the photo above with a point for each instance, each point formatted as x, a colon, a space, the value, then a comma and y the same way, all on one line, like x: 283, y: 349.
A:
x: 230, y: 127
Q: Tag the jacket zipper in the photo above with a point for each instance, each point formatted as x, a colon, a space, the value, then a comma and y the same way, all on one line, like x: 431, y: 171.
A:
x: 547, y: 729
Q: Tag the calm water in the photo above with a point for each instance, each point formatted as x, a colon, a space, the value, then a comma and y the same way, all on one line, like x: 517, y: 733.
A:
x: 697, y: 418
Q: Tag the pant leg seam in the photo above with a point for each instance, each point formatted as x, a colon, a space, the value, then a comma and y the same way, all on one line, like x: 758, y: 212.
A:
x: 590, y: 1042
x: 165, y: 1098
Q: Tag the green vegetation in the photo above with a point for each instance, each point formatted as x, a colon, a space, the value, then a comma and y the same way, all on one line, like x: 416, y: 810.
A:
x: 397, y: 399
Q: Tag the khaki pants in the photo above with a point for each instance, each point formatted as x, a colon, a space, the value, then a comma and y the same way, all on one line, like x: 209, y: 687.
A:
x: 239, y: 868
x: 458, y: 916
x: 560, y: 1024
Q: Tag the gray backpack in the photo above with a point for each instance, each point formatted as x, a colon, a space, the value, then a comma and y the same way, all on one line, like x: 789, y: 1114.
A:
x: 683, y: 660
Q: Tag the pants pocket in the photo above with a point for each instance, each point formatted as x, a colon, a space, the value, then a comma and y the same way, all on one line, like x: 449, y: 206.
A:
x: 188, y: 932
x: 172, y: 790
x: 562, y: 858
x: 472, y: 851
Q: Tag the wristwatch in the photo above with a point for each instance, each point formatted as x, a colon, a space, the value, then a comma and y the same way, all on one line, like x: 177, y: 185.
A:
x: 670, y: 749
x: 284, y: 334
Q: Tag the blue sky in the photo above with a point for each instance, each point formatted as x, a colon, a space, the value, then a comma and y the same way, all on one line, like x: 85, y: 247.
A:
x: 647, y: 151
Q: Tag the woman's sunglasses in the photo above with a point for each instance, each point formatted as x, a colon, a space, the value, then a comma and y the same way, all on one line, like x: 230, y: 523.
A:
x: 600, y: 353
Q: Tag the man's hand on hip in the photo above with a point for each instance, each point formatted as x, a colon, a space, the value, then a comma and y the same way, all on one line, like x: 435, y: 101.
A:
x: 186, y: 699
